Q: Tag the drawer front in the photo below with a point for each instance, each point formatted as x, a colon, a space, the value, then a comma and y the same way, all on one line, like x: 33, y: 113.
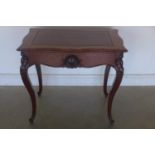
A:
x: 71, y: 59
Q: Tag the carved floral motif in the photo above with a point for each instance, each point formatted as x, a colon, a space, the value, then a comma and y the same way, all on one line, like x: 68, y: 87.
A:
x: 71, y: 61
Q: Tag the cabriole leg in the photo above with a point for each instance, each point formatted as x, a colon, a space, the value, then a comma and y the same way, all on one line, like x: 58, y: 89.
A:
x: 119, y: 75
x: 24, y: 75
x: 39, y: 73
x: 106, y: 75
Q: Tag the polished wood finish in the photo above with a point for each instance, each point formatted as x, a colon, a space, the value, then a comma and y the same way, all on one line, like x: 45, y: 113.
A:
x: 72, y: 47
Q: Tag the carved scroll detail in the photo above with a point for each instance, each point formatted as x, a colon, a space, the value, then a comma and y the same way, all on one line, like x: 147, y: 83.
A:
x: 24, y: 61
x: 119, y: 64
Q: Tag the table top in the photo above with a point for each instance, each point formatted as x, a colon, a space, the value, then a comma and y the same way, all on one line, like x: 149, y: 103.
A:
x: 70, y: 38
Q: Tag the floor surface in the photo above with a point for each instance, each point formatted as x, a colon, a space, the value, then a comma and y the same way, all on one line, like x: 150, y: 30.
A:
x: 78, y: 108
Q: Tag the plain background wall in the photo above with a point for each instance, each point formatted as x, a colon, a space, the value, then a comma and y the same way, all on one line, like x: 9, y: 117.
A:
x: 139, y: 62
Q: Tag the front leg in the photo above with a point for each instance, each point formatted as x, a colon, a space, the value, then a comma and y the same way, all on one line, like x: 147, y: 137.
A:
x: 106, y: 75
x: 119, y: 75
x: 39, y: 73
x: 24, y: 75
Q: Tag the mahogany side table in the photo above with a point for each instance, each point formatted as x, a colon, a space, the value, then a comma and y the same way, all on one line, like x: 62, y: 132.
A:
x: 72, y: 47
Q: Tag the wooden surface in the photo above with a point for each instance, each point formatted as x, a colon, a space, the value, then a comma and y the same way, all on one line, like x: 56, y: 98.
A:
x: 73, y: 38
x: 72, y: 47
